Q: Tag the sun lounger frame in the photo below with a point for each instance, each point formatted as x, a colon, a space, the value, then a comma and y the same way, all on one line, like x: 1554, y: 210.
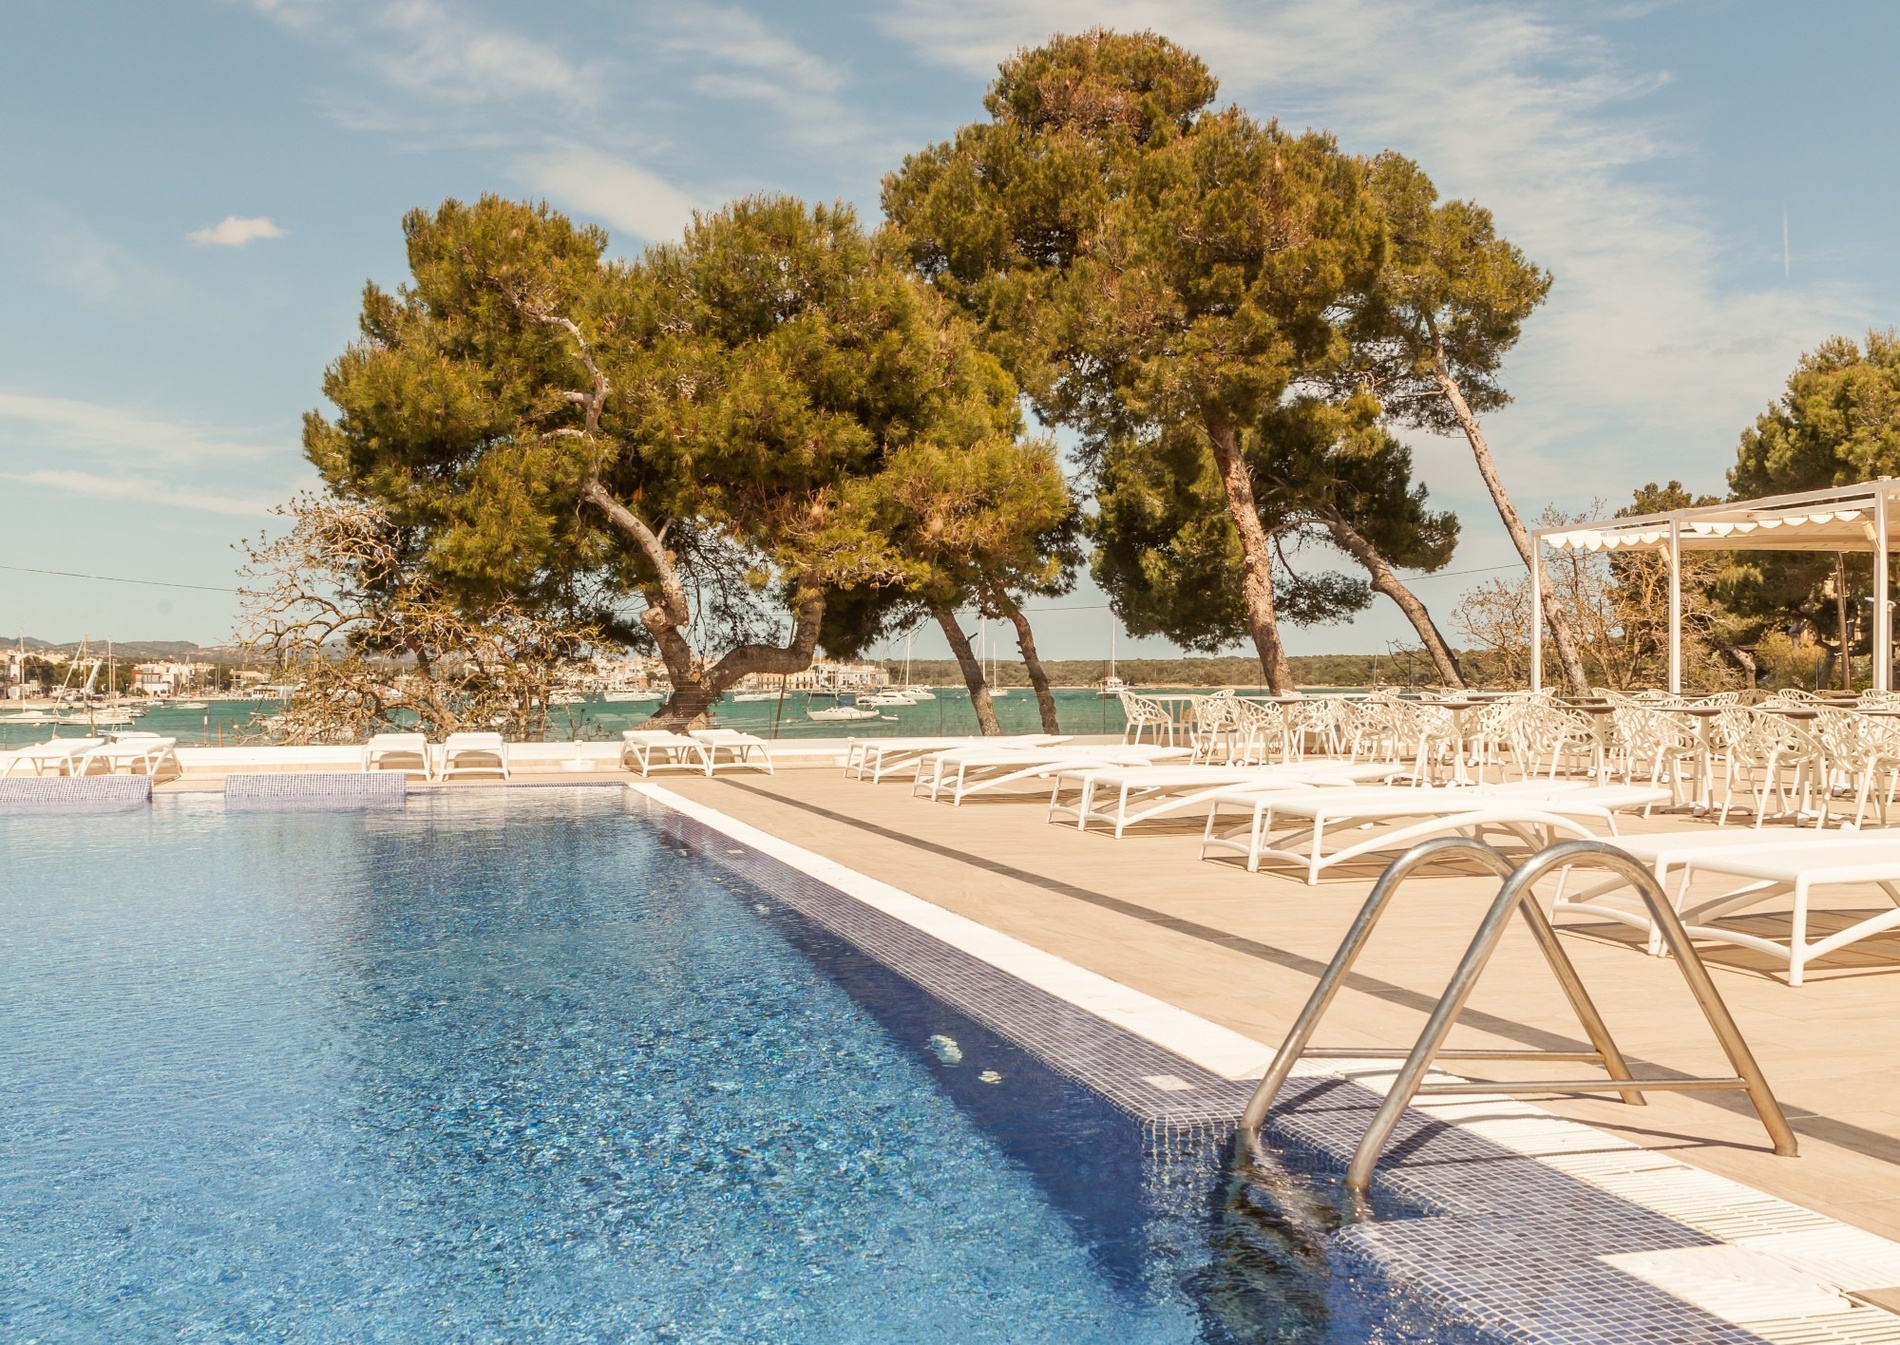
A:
x: 1537, y: 821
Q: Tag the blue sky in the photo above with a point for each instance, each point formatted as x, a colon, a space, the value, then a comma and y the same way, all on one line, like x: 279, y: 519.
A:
x: 195, y: 193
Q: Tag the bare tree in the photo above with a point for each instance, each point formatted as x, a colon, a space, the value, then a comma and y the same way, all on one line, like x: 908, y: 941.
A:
x: 339, y: 611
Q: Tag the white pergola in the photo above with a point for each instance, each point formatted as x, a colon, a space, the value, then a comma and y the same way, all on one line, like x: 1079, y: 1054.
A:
x: 1847, y: 518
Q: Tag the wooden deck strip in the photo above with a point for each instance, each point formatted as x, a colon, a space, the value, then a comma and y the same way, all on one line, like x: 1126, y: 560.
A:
x: 1243, y: 949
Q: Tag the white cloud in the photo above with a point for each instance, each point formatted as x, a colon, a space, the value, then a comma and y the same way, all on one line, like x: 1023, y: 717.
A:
x: 453, y: 59
x: 142, y: 490
x: 623, y: 195
x: 762, y: 66
x: 234, y: 232
x: 61, y: 425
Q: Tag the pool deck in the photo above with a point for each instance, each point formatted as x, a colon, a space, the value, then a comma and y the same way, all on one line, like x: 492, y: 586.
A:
x: 1243, y: 950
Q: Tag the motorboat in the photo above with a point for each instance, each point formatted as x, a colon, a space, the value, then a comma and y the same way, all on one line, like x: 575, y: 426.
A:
x: 847, y: 710
x: 631, y: 695
x: 889, y: 696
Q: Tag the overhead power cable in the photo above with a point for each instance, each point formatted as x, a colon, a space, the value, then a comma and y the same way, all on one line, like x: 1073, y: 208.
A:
x: 118, y: 579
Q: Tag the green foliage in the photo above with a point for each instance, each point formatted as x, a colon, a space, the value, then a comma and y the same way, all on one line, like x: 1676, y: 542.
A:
x: 1838, y: 423
x: 739, y: 399
x: 1447, y: 288
x: 1138, y: 257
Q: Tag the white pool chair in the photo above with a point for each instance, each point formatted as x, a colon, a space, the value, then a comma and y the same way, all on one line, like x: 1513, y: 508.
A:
x: 1393, y: 817
x: 1796, y: 869
x: 61, y: 756
x: 474, y: 754
x: 135, y: 754
x: 729, y: 749
x: 650, y: 750
x: 967, y: 771
x: 1120, y: 797
x: 874, y: 758
x: 405, y: 752
x: 1668, y: 854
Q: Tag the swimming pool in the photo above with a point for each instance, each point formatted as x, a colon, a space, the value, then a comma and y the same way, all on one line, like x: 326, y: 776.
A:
x: 512, y: 1064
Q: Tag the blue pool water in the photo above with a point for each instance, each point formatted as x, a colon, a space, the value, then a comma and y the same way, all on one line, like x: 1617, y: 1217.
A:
x: 512, y: 1065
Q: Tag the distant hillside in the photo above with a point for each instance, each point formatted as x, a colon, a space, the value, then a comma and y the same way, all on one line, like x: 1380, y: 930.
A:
x: 132, y: 649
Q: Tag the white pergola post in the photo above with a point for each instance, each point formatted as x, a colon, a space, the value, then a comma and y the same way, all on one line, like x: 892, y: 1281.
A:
x: 1537, y: 611
x: 1883, y: 610
x: 1675, y: 608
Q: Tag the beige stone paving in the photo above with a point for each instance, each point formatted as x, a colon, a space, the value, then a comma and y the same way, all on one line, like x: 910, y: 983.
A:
x: 1244, y: 949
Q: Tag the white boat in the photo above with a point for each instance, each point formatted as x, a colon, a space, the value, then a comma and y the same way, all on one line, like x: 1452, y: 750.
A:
x: 890, y: 696
x: 918, y: 694
x: 191, y: 705
x: 752, y: 697
x: 847, y: 710
x: 1112, y: 686
x: 631, y: 695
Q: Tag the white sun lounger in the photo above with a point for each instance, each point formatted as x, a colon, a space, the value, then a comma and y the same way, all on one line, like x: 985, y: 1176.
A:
x: 62, y: 756
x: 740, y: 750
x: 410, y: 752
x: 965, y: 771
x: 650, y: 750
x: 1144, y: 793
x: 1397, y: 817
x: 878, y: 757
x: 1797, y: 868
x: 136, y: 753
x: 474, y: 754
x: 1667, y: 853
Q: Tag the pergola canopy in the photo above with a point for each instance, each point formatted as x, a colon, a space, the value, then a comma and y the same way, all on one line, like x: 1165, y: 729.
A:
x: 1845, y: 518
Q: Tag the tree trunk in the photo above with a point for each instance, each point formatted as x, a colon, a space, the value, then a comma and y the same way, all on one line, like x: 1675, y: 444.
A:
x: 1386, y: 582
x: 1026, y: 641
x: 704, y: 686
x: 697, y: 689
x: 1257, y: 550
x: 1559, y: 621
x: 972, y: 670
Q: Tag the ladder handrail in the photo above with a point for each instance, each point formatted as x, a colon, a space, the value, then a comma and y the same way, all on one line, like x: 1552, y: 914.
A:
x: 1515, y: 895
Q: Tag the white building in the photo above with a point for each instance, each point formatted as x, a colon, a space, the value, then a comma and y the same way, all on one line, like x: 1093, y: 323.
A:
x: 166, y: 678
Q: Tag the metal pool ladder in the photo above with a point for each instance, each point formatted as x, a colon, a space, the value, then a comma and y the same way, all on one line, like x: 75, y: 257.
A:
x: 1514, y: 895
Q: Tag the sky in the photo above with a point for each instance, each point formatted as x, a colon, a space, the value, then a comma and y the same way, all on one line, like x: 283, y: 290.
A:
x: 193, y: 194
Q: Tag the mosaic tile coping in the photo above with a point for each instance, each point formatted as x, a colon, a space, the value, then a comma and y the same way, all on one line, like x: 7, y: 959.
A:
x: 1488, y: 1209
x: 327, y: 790
x: 82, y: 793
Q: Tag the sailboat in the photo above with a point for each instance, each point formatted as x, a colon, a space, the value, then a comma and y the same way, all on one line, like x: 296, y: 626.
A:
x: 914, y: 693
x: 1112, y: 686
x: 983, y: 635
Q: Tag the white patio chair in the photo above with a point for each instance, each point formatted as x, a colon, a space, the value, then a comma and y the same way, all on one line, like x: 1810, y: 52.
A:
x: 1763, y: 755
x: 405, y: 752
x: 1146, y: 716
x: 730, y: 749
x: 1261, y: 733
x: 474, y: 754
x: 650, y: 750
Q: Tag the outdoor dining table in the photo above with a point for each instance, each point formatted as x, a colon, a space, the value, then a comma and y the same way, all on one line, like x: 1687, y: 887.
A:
x: 1705, y: 757
x: 1459, y: 709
